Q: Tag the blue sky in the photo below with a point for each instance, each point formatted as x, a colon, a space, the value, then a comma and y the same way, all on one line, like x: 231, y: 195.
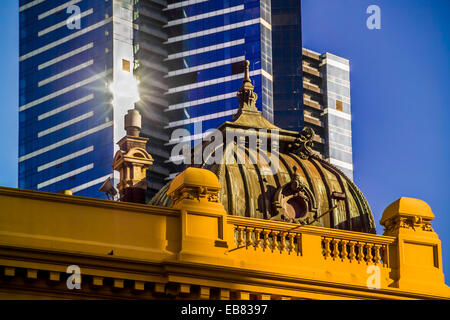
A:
x: 400, y: 79
x: 400, y: 93
x: 9, y: 92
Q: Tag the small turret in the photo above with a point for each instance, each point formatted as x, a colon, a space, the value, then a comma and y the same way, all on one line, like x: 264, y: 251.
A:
x: 133, y: 122
x: 132, y: 161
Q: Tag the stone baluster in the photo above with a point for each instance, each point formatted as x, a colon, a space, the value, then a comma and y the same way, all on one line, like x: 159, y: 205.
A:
x: 326, y: 249
x: 360, y: 252
x: 291, y: 245
x: 240, y: 237
x: 266, y: 239
x: 248, y: 237
x: 344, y: 252
x: 377, y: 256
x: 283, y: 241
x: 352, y: 253
x: 335, y: 253
x: 369, y: 255
x: 274, y: 240
x: 257, y: 238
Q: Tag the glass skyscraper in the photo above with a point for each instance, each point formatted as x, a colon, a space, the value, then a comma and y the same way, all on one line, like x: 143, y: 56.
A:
x: 287, y: 64
x: 187, y: 55
x: 337, y: 114
x: 327, y: 107
x: 207, y: 43
x: 75, y: 82
x: 151, y: 70
x: 190, y: 63
x: 71, y: 54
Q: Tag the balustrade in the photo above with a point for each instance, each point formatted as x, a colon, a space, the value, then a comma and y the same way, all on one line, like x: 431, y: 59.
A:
x: 369, y: 250
x: 264, y: 239
x: 358, y: 251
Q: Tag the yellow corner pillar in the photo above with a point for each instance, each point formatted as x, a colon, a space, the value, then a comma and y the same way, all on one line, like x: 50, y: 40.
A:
x: 204, y: 228
x: 416, y: 256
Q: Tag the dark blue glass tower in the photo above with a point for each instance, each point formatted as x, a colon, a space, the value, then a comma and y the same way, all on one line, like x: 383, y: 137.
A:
x: 188, y: 56
x: 207, y: 44
x: 68, y: 58
x: 287, y: 64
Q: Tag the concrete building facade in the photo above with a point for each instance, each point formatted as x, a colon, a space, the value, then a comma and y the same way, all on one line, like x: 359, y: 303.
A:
x: 327, y: 106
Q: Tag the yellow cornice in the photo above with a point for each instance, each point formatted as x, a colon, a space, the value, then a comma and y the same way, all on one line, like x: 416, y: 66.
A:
x: 196, y: 274
x: 92, y: 202
x: 213, y: 275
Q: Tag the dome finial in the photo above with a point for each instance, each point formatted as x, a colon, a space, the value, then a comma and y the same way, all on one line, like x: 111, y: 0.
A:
x: 246, y: 96
x: 246, y: 72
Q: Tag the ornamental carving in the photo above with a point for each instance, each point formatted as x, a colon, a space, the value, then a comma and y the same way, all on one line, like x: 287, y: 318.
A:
x: 415, y: 223
x: 294, y: 202
x: 246, y: 96
x: 302, y: 146
x: 196, y: 193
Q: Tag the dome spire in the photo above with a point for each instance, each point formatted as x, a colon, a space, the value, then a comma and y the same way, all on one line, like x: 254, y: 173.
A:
x: 246, y: 96
x: 246, y: 73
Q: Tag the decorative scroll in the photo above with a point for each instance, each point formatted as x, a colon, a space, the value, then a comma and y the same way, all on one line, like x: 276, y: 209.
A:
x: 302, y: 146
x: 412, y: 222
x: 196, y: 193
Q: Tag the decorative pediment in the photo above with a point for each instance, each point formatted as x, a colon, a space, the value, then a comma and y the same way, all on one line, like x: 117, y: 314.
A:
x: 138, y: 153
x: 134, y: 155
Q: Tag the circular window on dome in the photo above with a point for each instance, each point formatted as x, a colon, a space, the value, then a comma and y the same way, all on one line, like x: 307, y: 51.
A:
x: 294, y: 202
x: 296, y: 208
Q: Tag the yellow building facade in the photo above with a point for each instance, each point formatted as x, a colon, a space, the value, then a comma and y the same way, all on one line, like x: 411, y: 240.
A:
x: 226, y: 231
x: 195, y: 250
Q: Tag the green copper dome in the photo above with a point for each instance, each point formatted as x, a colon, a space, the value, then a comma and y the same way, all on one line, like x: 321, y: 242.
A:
x: 286, y: 183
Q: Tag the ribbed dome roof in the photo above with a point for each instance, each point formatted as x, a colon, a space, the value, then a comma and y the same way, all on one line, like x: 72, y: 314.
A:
x: 303, y: 189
